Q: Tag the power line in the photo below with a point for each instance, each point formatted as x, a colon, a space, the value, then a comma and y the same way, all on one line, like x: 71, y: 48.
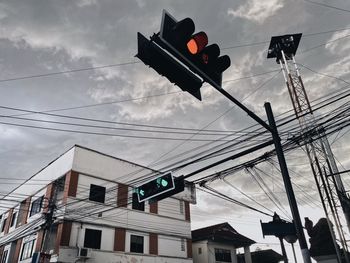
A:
x: 104, y: 134
x: 268, y: 41
x: 68, y: 71
x: 328, y: 6
x: 137, y: 62
x: 321, y: 45
x: 323, y: 74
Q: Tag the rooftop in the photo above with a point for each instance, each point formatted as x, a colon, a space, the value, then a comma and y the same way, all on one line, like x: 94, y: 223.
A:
x: 221, y: 233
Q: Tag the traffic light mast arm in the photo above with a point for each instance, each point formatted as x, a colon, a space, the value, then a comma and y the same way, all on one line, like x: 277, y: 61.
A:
x: 163, y: 43
x: 244, y: 108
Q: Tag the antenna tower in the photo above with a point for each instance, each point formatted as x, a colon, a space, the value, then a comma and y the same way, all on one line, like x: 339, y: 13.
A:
x: 326, y: 174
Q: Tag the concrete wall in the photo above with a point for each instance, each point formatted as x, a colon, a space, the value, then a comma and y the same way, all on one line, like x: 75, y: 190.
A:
x: 202, y: 257
x: 211, y: 251
x: 172, y: 246
x: 167, y: 223
x: 106, y: 167
x: 78, y: 234
x: 68, y: 255
x: 170, y: 218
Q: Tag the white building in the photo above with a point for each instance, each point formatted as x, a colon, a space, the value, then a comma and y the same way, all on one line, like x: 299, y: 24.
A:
x: 219, y: 243
x: 97, y: 217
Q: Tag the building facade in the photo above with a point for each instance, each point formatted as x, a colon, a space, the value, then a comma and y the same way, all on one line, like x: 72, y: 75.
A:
x: 82, y: 208
x: 219, y: 243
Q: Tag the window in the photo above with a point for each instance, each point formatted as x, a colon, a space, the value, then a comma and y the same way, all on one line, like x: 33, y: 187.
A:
x: 3, y: 225
x: 36, y: 206
x: 92, y: 238
x: 21, y: 212
x: 199, y: 250
x: 182, y: 244
x: 97, y: 193
x: 222, y: 255
x: 136, y: 244
x: 136, y: 204
x: 27, y: 249
x: 4, y: 256
x: 13, y: 219
x: 181, y: 207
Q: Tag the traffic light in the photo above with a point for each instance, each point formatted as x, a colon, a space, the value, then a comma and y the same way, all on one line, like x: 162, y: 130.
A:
x: 278, y: 227
x: 180, y: 39
x: 179, y: 186
x: 155, y: 187
x: 154, y: 56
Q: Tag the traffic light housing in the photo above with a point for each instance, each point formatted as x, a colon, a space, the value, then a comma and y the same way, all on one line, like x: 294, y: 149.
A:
x: 155, y: 187
x: 155, y: 57
x: 180, y: 39
x: 179, y: 183
x: 181, y: 55
x: 278, y: 227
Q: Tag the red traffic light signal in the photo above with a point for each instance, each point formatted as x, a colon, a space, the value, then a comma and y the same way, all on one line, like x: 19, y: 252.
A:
x: 191, y: 48
x: 197, y: 43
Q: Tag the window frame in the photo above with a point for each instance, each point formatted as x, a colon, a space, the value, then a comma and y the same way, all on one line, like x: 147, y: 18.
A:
x: 36, y: 206
x: 13, y: 219
x: 4, y: 221
x: 27, y: 246
x: 95, y: 195
x: 221, y: 255
x: 183, y: 246
x: 92, y: 238
x: 135, y: 247
x: 182, y: 207
x: 136, y: 205
x: 4, y: 256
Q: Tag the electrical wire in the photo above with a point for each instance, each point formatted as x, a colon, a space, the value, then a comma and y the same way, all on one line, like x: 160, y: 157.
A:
x: 327, y: 5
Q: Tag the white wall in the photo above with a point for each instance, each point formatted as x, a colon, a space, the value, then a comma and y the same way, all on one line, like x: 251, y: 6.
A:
x: 126, y: 218
x: 211, y: 251
x: 168, y: 220
x: 203, y: 257
x: 78, y: 234
x: 84, y: 183
x: 145, y: 241
x: 171, y: 207
x: 107, y: 167
x: 69, y: 255
x: 51, y: 172
x: 171, y: 246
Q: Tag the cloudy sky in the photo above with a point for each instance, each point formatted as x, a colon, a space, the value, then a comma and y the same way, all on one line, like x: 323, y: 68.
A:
x: 95, y: 42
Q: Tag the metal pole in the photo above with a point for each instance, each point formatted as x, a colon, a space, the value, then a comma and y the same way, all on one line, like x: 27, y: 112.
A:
x: 284, y: 253
x: 295, y: 257
x: 288, y: 185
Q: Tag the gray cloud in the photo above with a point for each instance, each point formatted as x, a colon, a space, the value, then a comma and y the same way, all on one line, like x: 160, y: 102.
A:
x: 38, y: 37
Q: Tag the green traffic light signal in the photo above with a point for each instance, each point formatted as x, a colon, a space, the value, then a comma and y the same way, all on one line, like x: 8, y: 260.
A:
x: 164, y: 183
x: 155, y: 187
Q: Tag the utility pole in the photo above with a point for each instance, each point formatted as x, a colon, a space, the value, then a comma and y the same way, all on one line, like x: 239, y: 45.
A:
x: 288, y: 184
x: 321, y: 158
x: 44, y: 255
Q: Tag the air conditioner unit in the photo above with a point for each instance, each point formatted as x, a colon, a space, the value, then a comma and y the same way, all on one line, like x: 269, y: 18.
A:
x: 84, y: 252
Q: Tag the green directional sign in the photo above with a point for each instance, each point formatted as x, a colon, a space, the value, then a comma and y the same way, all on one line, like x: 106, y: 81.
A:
x: 155, y: 187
